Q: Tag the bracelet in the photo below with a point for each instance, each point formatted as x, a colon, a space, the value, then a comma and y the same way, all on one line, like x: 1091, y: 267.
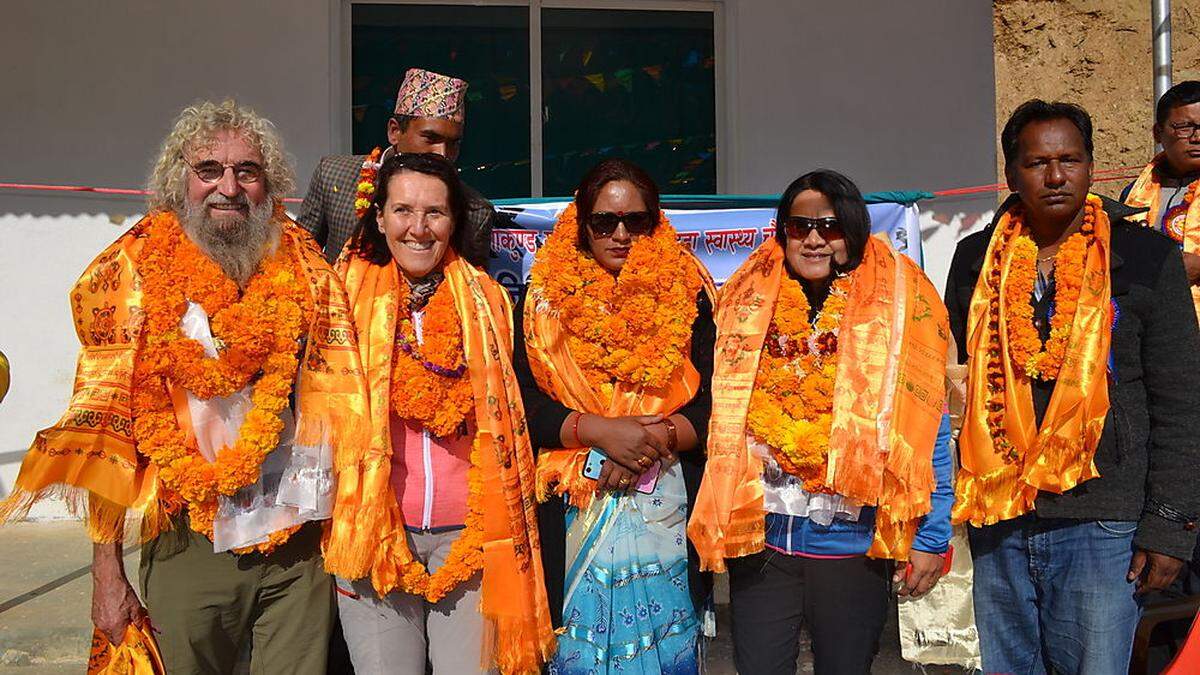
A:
x: 672, y: 434
x: 575, y: 429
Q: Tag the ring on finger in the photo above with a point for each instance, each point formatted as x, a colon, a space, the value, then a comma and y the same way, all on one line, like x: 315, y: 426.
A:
x: 644, y: 462
x: 624, y: 482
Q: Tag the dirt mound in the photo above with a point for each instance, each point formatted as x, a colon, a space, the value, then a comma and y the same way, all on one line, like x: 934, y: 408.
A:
x: 1096, y: 53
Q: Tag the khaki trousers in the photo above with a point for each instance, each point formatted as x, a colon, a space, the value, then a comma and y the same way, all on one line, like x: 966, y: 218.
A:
x: 207, y: 605
x: 401, y: 633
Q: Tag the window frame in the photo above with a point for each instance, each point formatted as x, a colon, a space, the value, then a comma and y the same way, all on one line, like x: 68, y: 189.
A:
x: 340, y: 66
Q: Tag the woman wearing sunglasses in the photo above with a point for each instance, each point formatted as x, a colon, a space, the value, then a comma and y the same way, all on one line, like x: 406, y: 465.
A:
x: 434, y: 551
x: 618, y: 336
x: 828, y: 437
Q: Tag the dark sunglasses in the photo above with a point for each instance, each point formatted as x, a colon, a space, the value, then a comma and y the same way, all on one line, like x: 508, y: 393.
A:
x: 799, y: 227
x: 604, y: 223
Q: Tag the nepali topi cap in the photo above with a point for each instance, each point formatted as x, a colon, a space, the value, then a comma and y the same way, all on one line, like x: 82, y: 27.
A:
x: 428, y: 94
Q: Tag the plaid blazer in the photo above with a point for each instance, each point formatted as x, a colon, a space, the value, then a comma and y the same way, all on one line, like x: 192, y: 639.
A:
x: 328, y: 208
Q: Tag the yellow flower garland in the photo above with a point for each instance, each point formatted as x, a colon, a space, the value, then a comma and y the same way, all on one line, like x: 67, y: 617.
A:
x: 633, y: 327
x: 792, y: 402
x: 364, y: 187
x: 271, y: 316
x: 439, y: 401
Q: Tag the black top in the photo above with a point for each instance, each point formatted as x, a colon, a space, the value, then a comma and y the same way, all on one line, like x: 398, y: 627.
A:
x: 1149, y: 451
x: 545, y: 417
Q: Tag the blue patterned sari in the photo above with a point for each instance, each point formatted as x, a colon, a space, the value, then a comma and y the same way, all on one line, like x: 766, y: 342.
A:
x: 627, y: 608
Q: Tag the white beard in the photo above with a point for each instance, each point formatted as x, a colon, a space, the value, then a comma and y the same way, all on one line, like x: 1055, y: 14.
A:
x: 236, y: 245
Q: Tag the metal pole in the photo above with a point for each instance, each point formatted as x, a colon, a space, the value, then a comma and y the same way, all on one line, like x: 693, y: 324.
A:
x: 536, y: 147
x: 1160, y: 21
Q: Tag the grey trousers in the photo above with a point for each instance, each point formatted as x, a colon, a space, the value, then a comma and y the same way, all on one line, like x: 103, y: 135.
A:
x: 400, y: 633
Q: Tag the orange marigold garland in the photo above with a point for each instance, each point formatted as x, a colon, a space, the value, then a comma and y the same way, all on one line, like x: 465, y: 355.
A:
x: 429, y: 383
x: 633, y: 327
x: 1025, y: 346
x: 364, y: 189
x: 1030, y: 357
x: 260, y: 331
x: 792, y: 403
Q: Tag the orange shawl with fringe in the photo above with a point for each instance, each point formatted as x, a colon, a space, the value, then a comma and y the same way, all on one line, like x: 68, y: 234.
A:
x: 367, y: 536
x: 560, y: 470
x: 992, y: 485
x: 136, y: 655
x: 91, y: 451
x: 1145, y: 193
x: 887, y: 403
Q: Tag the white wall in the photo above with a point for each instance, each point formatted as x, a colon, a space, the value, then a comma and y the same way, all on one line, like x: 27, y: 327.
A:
x: 89, y: 90
x: 36, y: 333
x: 896, y: 95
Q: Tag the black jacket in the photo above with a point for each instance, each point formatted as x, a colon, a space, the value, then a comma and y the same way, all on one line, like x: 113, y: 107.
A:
x: 1149, y: 452
x: 546, y: 415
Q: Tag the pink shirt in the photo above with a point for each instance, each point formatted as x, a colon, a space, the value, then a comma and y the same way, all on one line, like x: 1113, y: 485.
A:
x: 429, y: 475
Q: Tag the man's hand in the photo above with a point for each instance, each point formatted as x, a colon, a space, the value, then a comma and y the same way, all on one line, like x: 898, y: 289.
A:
x: 926, y: 570
x: 114, y: 603
x: 114, y: 607
x: 1191, y: 263
x: 1153, y: 571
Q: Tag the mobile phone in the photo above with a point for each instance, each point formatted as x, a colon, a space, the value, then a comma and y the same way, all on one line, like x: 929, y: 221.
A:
x: 595, y: 462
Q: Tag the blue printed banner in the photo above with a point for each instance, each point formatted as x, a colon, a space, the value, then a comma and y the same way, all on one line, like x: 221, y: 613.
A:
x: 720, y: 237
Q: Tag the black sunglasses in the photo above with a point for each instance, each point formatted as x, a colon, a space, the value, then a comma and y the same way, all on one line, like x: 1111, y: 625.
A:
x: 604, y: 223
x: 799, y: 227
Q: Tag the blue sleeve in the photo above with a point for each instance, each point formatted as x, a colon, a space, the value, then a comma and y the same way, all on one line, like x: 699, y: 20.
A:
x: 933, y: 534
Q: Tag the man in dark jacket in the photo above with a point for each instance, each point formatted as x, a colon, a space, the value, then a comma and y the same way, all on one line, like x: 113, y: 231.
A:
x: 430, y: 116
x: 1055, y: 585
x: 1167, y: 185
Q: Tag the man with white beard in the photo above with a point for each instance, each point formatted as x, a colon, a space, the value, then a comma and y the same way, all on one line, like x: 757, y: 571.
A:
x: 217, y: 379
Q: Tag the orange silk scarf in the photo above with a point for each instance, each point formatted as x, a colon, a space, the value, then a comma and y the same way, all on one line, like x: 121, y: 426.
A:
x: 1058, y: 456
x: 91, y: 451
x: 560, y: 470
x: 367, y: 535
x: 887, y: 403
x: 1145, y: 193
x: 136, y: 655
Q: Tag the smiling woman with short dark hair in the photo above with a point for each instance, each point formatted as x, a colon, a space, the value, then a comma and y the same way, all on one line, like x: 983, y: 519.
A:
x: 831, y: 349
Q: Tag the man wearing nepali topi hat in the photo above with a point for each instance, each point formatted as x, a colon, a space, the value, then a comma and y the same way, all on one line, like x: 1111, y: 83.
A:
x: 429, y: 116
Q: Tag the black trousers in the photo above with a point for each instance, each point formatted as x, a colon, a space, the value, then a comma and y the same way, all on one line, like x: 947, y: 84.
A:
x: 844, y: 602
